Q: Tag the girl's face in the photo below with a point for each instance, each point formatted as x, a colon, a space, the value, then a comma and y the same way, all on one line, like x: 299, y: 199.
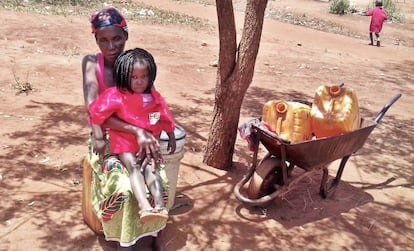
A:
x: 111, y: 41
x: 139, y: 78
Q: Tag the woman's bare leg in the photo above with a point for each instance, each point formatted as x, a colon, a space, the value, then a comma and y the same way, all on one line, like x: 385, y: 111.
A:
x: 119, y: 248
x: 158, y: 243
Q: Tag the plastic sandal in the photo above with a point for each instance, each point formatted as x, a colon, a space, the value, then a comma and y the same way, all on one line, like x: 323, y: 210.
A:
x: 152, y: 214
x: 162, y: 210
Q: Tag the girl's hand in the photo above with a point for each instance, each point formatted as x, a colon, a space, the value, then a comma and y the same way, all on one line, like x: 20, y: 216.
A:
x: 99, y: 146
x: 171, y: 145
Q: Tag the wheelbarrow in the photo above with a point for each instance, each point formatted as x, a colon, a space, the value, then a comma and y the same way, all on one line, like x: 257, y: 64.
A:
x: 271, y: 178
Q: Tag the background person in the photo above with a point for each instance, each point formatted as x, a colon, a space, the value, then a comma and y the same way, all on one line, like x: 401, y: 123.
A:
x: 378, y: 16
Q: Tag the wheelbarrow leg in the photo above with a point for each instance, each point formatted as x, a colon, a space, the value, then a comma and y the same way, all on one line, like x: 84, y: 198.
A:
x: 324, y: 189
x: 290, y: 169
x: 285, y: 168
x: 340, y: 171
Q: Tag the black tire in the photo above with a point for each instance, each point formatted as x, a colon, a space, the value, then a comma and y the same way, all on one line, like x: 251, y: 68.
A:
x: 266, y: 175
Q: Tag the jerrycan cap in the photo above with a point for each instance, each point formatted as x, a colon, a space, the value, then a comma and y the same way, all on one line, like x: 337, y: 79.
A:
x: 281, y: 107
x: 335, y: 90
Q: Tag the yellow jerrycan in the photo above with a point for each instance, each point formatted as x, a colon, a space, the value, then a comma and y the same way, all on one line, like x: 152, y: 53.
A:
x: 290, y: 120
x: 335, y: 110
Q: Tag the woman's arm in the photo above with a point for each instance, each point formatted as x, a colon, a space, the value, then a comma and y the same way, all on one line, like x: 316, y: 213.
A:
x: 90, y: 82
x: 100, y: 143
x: 149, y: 146
x: 90, y: 92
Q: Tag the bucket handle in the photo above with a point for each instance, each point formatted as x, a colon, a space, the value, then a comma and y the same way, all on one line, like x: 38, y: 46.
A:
x: 386, y: 107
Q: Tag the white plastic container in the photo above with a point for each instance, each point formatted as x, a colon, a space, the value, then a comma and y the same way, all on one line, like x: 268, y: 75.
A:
x: 172, y: 161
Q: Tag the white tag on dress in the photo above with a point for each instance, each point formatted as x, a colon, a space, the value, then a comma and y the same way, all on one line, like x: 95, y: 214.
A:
x: 154, y: 117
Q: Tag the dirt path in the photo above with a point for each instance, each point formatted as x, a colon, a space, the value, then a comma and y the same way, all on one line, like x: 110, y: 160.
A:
x: 44, y: 133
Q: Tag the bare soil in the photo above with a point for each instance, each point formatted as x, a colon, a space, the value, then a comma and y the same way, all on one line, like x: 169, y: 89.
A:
x: 44, y: 132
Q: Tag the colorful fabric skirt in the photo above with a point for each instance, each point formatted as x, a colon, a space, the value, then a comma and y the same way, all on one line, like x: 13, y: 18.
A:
x: 114, y: 203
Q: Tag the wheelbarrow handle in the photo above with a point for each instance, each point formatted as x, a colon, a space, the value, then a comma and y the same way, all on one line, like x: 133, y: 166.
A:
x: 386, y: 107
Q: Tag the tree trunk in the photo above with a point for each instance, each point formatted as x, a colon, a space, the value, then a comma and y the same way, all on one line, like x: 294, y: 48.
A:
x: 234, y: 75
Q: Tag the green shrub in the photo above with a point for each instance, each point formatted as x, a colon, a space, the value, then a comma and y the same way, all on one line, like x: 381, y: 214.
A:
x: 340, y: 7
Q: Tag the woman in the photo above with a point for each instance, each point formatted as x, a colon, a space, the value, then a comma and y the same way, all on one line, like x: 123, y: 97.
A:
x: 112, y: 196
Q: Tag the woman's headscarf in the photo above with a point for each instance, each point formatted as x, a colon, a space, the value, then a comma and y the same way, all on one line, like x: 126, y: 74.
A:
x: 107, y: 17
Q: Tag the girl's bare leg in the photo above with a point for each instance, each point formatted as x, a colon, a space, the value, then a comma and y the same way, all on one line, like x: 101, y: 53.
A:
x: 371, y: 38
x: 378, y: 38
x: 154, y: 183
x: 137, y: 180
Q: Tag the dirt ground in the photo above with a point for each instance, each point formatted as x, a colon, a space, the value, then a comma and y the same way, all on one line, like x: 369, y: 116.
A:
x: 44, y: 133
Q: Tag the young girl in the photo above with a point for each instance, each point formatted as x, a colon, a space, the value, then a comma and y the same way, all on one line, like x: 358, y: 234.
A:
x: 135, y: 101
x: 378, y: 16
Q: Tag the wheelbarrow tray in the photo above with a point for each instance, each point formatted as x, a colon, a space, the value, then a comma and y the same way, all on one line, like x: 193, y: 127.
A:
x: 316, y: 152
x: 310, y: 155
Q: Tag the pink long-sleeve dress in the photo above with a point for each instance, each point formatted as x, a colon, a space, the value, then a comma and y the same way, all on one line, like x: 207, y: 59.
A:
x: 378, y: 16
x: 153, y: 116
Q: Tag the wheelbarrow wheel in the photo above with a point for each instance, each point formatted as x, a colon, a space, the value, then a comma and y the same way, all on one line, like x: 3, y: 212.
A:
x: 267, y: 174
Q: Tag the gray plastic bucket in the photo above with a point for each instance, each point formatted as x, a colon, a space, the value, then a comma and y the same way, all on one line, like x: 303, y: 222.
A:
x: 172, y: 161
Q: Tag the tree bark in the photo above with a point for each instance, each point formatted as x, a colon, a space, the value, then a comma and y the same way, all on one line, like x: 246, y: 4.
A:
x: 234, y: 75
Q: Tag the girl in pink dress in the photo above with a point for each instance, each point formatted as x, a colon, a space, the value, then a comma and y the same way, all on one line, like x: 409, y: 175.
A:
x: 135, y: 101
x: 378, y: 16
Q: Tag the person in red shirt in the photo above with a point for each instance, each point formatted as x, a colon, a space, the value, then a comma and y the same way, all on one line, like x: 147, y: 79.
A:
x: 378, y: 16
x: 135, y: 100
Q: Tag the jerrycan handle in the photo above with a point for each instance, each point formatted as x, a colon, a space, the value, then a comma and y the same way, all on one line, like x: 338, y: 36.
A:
x: 281, y: 108
x: 310, y: 103
x: 386, y: 107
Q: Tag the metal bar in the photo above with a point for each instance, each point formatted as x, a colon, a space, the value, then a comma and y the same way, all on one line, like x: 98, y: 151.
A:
x: 386, y: 107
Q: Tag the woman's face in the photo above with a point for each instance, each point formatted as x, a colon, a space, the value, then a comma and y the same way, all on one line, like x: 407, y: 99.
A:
x: 139, y: 77
x: 111, y: 41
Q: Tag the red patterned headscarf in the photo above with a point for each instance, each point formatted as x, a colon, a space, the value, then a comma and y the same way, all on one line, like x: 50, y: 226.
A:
x: 107, y: 17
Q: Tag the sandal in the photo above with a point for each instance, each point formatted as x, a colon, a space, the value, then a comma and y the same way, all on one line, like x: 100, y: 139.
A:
x: 152, y: 214
x: 162, y: 210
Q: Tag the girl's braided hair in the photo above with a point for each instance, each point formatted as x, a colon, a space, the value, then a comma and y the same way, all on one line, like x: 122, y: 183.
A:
x: 124, y: 65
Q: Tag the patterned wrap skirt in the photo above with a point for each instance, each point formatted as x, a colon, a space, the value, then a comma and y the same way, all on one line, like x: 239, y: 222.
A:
x: 114, y: 203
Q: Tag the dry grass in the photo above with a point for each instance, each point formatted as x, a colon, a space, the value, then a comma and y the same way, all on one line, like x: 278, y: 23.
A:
x: 21, y: 87
x: 131, y: 10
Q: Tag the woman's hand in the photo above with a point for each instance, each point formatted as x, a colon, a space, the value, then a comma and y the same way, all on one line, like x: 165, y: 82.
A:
x: 149, y: 148
x: 149, y: 163
x: 99, y: 146
x: 99, y: 135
